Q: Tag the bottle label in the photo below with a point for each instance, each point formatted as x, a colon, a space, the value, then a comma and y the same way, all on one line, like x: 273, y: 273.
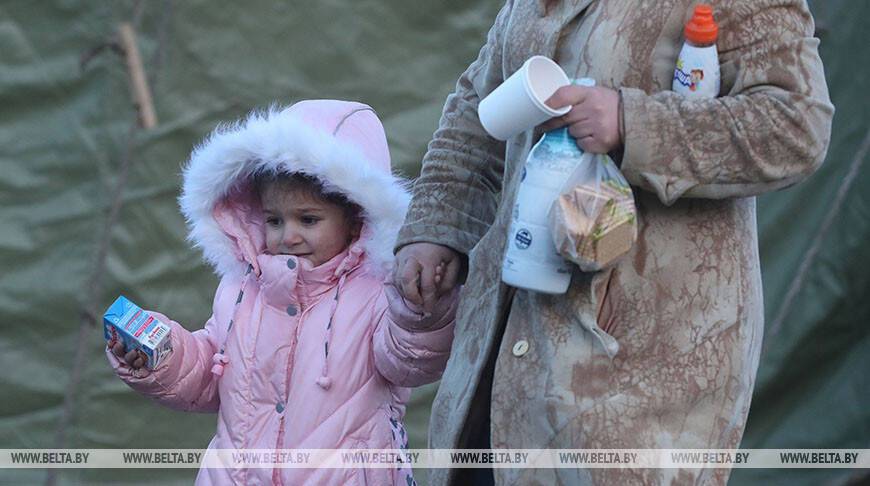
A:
x: 688, y: 80
x: 697, y: 72
x: 529, y: 242
x: 523, y: 239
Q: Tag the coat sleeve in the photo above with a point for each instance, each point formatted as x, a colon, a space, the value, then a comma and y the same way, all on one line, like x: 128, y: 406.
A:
x: 411, y: 348
x: 457, y: 193
x: 183, y: 381
x: 769, y: 130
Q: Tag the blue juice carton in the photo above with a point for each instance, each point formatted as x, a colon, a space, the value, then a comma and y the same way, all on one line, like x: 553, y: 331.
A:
x: 137, y: 329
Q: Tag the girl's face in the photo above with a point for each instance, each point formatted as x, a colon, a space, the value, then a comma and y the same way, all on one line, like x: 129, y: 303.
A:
x: 300, y: 224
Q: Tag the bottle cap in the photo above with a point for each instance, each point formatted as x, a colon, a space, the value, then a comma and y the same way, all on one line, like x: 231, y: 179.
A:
x: 701, y: 28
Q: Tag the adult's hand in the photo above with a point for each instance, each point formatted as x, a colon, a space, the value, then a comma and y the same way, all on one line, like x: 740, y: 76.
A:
x: 593, y: 119
x: 415, y: 274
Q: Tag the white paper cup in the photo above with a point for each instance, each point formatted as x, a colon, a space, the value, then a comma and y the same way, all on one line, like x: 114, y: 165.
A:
x: 518, y: 104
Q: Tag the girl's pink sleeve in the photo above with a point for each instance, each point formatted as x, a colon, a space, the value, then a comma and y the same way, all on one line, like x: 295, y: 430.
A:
x: 183, y: 380
x: 411, y: 348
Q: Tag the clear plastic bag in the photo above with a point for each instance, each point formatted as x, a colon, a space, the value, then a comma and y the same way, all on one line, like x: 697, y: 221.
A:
x: 594, y: 219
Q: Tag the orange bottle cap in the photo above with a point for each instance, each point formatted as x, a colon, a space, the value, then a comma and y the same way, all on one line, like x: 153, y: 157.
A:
x: 701, y: 28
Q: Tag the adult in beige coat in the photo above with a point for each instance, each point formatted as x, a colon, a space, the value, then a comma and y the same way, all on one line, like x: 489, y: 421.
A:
x: 684, y: 307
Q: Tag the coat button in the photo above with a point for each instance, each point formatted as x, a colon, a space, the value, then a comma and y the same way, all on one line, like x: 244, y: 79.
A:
x: 291, y: 264
x: 520, y: 347
x: 279, y: 407
x: 291, y: 310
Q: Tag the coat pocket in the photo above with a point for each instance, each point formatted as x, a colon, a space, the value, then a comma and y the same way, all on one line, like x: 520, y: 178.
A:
x: 605, y: 323
x: 604, y: 311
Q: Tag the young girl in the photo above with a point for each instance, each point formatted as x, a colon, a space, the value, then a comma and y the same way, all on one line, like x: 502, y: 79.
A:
x: 307, y: 347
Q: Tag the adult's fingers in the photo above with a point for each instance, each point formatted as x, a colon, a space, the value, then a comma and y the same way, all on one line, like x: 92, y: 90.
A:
x: 427, y: 287
x: 567, y: 95
x: 409, y: 280
x: 581, y: 130
x: 450, y: 276
x: 574, y: 116
x: 592, y: 145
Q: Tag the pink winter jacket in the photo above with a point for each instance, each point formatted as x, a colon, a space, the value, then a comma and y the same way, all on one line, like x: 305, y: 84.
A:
x: 311, y: 357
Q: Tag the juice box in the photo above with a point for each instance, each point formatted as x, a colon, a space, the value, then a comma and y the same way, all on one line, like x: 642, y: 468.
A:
x: 137, y: 329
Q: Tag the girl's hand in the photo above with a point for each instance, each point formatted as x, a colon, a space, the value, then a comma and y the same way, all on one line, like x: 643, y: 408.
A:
x: 412, y: 317
x: 134, y: 359
x: 593, y: 119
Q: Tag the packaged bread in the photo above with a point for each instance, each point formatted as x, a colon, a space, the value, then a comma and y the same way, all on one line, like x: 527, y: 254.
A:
x: 594, y: 219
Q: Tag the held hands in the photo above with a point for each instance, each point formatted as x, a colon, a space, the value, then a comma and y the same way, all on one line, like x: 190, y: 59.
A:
x: 412, y: 317
x: 427, y: 271
x: 593, y: 119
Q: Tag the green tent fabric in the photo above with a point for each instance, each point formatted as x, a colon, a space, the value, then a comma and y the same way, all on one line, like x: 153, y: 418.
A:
x: 88, y: 206
x: 813, y: 389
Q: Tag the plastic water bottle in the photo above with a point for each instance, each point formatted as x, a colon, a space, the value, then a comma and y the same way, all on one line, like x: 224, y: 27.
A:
x: 531, y: 260
x: 697, y: 73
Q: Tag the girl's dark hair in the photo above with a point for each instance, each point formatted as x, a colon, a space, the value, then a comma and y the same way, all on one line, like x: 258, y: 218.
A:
x: 313, y: 187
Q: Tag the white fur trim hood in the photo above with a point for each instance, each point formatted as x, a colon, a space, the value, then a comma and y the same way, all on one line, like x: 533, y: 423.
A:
x: 341, y: 143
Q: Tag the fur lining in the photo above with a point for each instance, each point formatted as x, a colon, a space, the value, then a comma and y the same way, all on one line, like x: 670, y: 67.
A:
x: 276, y: 141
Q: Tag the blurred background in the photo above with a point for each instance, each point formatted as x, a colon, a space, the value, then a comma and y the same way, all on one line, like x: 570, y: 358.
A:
x: 88, y: 205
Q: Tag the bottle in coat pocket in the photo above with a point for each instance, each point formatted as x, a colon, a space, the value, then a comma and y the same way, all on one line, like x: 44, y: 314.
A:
x: 696, y: 75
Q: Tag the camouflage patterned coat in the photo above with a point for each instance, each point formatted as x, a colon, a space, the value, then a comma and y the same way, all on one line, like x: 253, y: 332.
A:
x: 685, y: 305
